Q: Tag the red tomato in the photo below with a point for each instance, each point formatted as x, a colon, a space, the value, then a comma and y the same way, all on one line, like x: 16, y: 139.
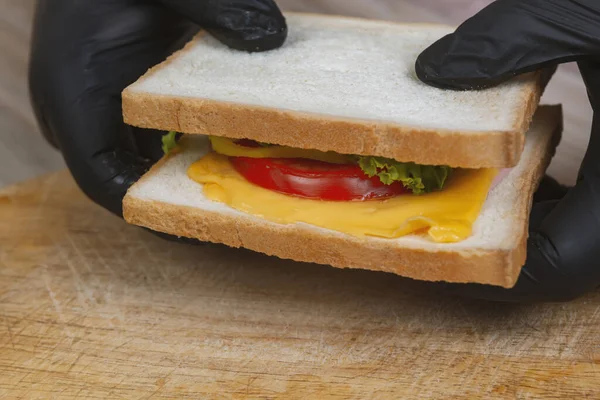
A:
x: 314, y: 179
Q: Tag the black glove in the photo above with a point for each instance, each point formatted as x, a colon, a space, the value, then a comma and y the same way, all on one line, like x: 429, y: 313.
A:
x: 84, y: 53
x: 511, y: 37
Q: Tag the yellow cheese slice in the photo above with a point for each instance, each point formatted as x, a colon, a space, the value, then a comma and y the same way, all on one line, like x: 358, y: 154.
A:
x: 445, y: 216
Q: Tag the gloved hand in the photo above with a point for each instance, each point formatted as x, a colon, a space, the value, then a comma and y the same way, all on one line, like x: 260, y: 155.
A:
x: 511, y: 37
x: 84, y: 53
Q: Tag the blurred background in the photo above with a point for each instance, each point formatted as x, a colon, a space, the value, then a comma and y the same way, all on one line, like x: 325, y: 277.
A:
x: 24, y: 153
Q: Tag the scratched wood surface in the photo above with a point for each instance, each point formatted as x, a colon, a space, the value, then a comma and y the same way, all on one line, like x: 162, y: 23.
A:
x: 24, y: 154
x: 93, y: 308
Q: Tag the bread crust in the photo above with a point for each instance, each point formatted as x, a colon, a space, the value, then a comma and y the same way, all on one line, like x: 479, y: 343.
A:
x: 500, y: 267
x: 497, y: 149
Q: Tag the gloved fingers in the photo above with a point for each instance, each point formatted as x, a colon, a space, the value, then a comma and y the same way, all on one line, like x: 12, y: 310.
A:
x: 149, y: 143
x: 590, y: 72
x: 44, y: 128
x: 112, y: 173
x: 549, y: 189
x: 563, y: 250
x: 77, y: 93
x: 540, y: 280
x: 249, y: 25
x: 511, y: 37
x: 539, y: 211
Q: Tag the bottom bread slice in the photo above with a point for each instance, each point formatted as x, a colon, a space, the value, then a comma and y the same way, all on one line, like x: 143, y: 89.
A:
x: 166, y: 200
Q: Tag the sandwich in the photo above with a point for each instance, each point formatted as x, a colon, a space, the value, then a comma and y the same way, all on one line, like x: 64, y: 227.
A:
x: 329, y: 150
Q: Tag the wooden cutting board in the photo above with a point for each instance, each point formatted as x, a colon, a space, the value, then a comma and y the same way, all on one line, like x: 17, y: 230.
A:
x: 93, y: 308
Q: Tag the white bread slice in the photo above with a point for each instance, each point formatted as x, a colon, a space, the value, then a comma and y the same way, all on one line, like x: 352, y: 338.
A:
x: 166, y: 200
x: 341, y: 84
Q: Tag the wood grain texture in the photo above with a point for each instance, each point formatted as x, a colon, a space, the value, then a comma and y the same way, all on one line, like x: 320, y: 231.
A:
x: 93, y: 308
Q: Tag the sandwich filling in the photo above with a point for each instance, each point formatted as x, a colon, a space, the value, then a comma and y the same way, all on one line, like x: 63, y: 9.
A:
x: 356, y: 195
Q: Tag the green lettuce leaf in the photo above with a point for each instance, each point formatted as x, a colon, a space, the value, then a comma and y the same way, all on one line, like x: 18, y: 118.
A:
x: 169, y: 141
x: 417, y: 178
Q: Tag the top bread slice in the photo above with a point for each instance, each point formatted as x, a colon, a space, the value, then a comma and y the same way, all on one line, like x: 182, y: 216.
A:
x: 167, y: 200
x: 337, y: 84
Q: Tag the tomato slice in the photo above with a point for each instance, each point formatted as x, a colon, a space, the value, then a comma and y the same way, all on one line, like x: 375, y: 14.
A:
x: 314, y: 179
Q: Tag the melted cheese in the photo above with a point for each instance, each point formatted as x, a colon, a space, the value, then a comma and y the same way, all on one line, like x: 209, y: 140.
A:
x: 445, y: 216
